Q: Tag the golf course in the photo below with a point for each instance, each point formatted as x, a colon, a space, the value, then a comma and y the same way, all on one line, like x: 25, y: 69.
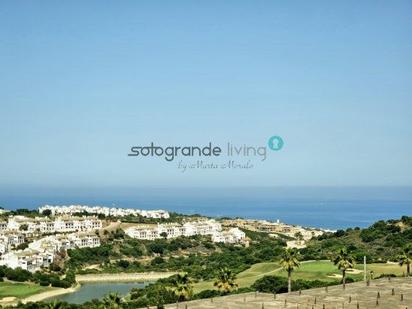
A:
x: 20, y: 290
x: 308, y: 270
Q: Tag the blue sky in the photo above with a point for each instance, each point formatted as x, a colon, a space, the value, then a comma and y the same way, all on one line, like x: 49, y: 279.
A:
x: 81, y: 82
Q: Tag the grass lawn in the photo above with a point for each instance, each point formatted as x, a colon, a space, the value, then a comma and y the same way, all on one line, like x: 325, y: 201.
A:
x: 384, y: 268
x: 310, y: 270
x: 245, y: 278
x: 20, y: 290
x: 314, y: 270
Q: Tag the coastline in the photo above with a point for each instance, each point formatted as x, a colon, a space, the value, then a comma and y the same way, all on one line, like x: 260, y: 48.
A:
x: 123, y: 277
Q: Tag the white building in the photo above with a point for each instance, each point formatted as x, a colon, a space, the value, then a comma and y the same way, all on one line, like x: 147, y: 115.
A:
x: 107, y: 211
x: 10, y: 240
x: 27, y: 259
x: 173, y: 230
x: 72, y: 224
x: 146, y: 231
x: 3, y: 225
x: 55, y: 243
x: 15, y: 222
x: 61, y: 224
x: 41, y: 252
x: 232, y: 236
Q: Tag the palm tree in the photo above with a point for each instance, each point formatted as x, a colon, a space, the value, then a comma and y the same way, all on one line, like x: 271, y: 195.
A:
x: 112, y: 301
x: 225, y: 280
x: 290, y: 261
x: 55, y: 305
x: 344, y: 261
x: 406, y: 259
x: 182, y: 286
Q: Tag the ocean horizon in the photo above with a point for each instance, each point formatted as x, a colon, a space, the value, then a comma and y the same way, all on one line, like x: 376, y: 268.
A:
x: 331, y: 208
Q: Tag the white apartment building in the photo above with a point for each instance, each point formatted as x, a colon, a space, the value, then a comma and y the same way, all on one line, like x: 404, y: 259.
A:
x: 72, y: 224
x: 173, y: 230
x: 3, y: 225
x: 107, y: 211
x: 144, y: 231
x: 84, y: 240
x: 59, y: 242
x: 9, y: 240
x: 61, y: 224
x: 15, y: 222
x: 41, y: 252
x: 27, y: 259
x: 232, y: 236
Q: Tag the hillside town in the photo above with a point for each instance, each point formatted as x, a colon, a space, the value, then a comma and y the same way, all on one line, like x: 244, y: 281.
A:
x: 32, y: 243
x: 200, y: 227
x: 106, y: 211
x: 299, y: 235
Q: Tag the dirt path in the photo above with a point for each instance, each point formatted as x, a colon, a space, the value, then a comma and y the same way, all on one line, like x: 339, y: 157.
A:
x: 123, y: 277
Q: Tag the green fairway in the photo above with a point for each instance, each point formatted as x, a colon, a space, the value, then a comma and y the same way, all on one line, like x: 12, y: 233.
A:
x: 245, y: 278
x: 313, y: 270
x: 309, y: 270
x: 384, y: 268
x: 20, y: 290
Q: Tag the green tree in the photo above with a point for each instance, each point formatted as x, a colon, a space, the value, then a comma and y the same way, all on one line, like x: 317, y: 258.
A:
x: 47, y: 212
x: 298, y: 236
x: 55, y: 305
x: 182, y: 286
x: 405, y: 259
x: 344, y: 261
x: 23, y: 227
x: 290, y: 261
x: 112, y: 301
x: 225, y: 280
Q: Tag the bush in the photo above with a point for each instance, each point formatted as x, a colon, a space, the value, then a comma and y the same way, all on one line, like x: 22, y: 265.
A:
x: 154, y: 294
x: 18, y: 274
x: 271, y: 284
x: 207, y: 294
x: 60, y: 283
x: 123, y: 263
x: 157, y: 261
x: 386, y: 276
x: 300, y: 284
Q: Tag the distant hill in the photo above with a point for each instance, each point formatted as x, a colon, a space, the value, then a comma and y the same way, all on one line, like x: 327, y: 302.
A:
x: 382, y: 241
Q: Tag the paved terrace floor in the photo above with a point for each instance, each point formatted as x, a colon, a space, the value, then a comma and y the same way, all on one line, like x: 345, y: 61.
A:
x: 356, y: 295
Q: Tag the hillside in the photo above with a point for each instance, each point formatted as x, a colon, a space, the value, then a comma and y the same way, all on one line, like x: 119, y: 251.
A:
x: 380, y: 242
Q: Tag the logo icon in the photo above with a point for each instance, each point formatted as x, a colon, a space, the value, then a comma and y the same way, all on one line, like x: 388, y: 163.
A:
x: 275, y: 143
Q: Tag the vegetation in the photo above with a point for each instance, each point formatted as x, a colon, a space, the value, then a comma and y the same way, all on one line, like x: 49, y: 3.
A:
x: 278, y: 284
x: 197, y: 255
x: 42, y: 278
x: 225, y: 280
x: 382, y: 241
x: 289, y: 263
x: 112, y: 301
x: 208, y: 270
x: 405, y: 259
x: 344, y: 261
x: 182, y: 286
x: 20, y: 290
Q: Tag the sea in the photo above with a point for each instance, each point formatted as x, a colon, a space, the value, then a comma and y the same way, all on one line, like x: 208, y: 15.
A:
x: 323, y: 207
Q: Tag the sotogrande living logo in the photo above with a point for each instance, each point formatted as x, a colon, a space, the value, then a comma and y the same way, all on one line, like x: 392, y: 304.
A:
x: 210, y: 151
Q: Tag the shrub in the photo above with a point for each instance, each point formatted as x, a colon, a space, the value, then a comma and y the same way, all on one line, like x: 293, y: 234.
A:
x: 271, y: 284
x: 207, y: 294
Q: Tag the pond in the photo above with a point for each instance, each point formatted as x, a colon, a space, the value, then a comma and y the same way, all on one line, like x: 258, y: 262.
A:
x: 89, y: 291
